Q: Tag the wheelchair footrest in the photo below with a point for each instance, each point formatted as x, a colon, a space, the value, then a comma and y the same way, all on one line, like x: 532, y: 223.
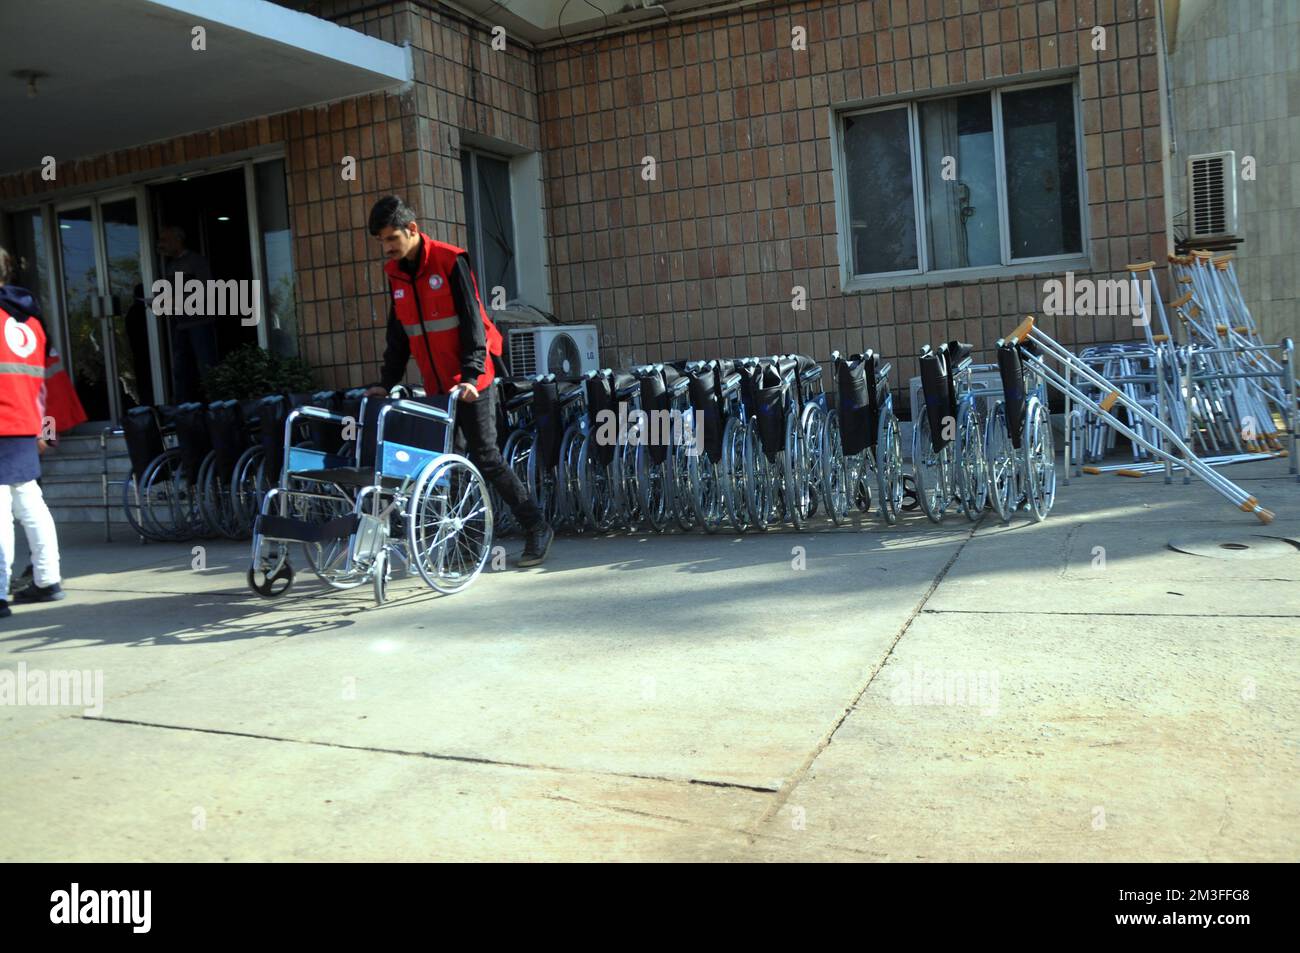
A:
x: 306, y: 531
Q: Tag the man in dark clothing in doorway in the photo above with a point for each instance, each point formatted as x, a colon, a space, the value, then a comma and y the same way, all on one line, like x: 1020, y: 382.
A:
x: 437, y: 317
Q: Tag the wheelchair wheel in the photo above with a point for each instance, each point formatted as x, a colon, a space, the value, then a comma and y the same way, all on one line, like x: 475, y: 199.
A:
x: 568, y: 512
x: 218, y: 503
x: 930, y: 469
x: 541, y: 483
x: 705, y: 490
x: 1001, y: 459
x: 135, y: 512
x: 889, y: 467
x: 760, y: 481
x: 652, y: 480
x: 683, y: 508
x: 732, y: 476
x: 166, y: 499
x: 246, y: 488
x: 449, y: 524
x: 1039, y: 449
x: 798, y: 485
x: 834, y: 469
x: 379, y: 571
x: 595, y: 488
x: 271, y: 584
x: 972, y: 466
x: 811, y: 424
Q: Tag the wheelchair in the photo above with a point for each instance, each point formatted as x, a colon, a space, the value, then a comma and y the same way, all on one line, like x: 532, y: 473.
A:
x: 400, y: 496
x: 948, y: 456
x: 861, y: 435
x: 1018, y: 440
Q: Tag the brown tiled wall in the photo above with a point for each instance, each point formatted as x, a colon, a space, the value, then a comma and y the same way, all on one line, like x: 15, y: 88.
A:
x: 701, y: 261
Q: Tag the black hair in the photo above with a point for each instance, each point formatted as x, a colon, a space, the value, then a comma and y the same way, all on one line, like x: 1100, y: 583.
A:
x: 390, y: 211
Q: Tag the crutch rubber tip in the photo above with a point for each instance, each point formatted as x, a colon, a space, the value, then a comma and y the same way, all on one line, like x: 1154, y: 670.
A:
x: 1092, y: 470
x: 1265, y: 516
x: 1130, y: 473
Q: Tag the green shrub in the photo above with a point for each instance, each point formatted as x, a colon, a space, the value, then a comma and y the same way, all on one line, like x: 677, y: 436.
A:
x: 251, y: 371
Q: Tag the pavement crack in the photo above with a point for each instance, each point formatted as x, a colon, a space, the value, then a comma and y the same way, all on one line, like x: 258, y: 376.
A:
x: 435, y: 756
x: 783, y: 795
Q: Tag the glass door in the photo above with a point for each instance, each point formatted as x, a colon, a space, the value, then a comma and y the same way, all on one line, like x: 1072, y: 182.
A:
x: 87, y: 350
x: 104, y: 304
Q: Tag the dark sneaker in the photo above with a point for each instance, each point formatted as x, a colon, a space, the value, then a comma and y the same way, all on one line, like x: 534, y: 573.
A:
x: 539, y: 544
x: 35, y: 593
x: 5, y: 611
x: 23, y: 581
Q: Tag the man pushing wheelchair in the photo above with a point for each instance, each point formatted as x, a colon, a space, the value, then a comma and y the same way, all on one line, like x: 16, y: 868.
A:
x: 436, y: 316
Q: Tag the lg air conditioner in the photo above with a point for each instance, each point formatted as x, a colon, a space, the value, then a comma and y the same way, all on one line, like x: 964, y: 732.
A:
x: 1212, y: 195
x: 565, y: 350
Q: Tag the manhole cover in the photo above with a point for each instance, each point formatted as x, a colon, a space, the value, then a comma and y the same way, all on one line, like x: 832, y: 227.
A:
x: 1238, y: 547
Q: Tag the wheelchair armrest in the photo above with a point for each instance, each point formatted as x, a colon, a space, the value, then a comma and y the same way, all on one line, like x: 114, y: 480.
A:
x: 679, y: 386
x: 810, y: 375
x: 730, y: 384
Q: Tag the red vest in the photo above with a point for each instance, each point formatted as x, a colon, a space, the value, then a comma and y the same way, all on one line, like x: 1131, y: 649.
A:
x: 22, y: 376
x: 62, y: 404
x: 427, y: 313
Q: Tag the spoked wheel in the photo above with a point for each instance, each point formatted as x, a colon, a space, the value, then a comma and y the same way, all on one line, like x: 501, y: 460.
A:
x: 1039, y: 449
x: 972, y: 466
x: 595, y: 488
x: 247, y: 487
x: 166, y: 499
x: 568, y: 511
x: 931, y: 469
x: 627, y: 496
x: 219, y: 504
x: 889, y: 467
x: 449, y: 524
x: 811, y: 424
x: 683, y: 508
x: 134, y: 511
x: 704, y: 479
x: 1001, y: 458
x: 379, y: 571
x: 652, y: 480
x: 834, y: 470
x: 761, y: 478
x: 732, y: 474
x: 799, y: 497
x: 540, y: 481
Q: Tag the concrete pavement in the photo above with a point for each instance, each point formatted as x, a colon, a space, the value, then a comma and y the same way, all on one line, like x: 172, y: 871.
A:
x: 1068, y: 690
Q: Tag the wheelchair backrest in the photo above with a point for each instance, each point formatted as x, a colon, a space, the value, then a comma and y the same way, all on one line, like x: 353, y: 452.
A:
x: 408, y: 441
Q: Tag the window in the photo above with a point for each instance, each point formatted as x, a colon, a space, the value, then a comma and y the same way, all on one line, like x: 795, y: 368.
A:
x: 490, y: 223
x: 980, y: 180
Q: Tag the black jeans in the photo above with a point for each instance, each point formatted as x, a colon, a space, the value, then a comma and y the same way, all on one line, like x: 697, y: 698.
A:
x: 476, y: 438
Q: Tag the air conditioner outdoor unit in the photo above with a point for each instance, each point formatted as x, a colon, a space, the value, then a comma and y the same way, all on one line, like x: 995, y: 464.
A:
x: 1212, y: 195
x: 566, y: 350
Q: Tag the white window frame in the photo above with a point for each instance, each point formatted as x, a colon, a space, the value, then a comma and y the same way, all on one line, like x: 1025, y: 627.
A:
x: 923, y: 275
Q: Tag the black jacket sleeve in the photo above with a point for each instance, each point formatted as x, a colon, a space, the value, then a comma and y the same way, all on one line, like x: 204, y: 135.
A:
x: 473, y: 336
x: 396, y: 352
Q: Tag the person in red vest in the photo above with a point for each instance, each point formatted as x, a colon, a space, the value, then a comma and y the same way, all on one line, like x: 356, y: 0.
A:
x: 436, y: 316
x: 34, y: 406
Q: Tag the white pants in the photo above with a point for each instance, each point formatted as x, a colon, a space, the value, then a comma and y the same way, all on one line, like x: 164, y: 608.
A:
x: 27, y: 503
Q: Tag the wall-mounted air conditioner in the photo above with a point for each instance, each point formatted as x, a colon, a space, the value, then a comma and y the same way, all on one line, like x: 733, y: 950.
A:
x: 566, y: 350
x: 1212, y: 195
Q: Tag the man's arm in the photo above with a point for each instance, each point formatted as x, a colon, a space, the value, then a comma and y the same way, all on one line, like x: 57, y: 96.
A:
x: 397, y: 351
x: 473, y: 338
